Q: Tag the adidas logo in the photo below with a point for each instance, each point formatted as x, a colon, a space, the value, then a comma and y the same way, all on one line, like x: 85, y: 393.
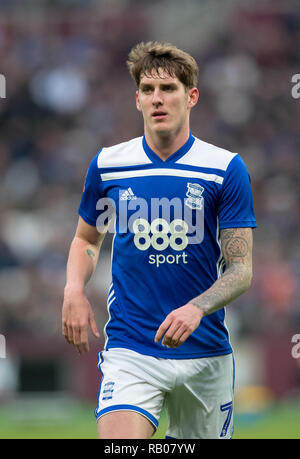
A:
x: 127, y: 195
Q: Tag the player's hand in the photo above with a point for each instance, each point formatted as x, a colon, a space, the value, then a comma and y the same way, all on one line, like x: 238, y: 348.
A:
x: 77, y: 318
x: 179, y: 325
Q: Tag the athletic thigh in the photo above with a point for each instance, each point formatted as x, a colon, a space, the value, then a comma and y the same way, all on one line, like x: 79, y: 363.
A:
x: 125, y: 424
x: 131, y: 394
x: 201, y: 405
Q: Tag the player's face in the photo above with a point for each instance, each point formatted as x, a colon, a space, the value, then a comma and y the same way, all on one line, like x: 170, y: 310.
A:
x: 165, y: 103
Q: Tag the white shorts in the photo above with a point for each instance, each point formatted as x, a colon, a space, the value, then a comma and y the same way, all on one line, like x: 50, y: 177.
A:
x: 196, y: 393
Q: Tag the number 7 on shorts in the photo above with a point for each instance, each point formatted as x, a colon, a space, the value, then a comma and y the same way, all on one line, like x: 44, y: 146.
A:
x: 226, y: 407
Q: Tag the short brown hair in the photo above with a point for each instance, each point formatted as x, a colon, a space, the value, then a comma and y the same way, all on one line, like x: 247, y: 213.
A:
x: 146, y: 58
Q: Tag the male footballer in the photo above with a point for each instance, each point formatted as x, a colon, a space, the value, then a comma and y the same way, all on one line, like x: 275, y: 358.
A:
x: 182, y: 251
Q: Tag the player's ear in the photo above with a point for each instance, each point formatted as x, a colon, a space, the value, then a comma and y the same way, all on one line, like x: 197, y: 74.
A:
x: 137, y: 101
x: 193, y: 97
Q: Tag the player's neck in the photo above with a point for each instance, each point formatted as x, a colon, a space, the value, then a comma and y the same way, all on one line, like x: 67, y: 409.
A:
x: 165, y: 144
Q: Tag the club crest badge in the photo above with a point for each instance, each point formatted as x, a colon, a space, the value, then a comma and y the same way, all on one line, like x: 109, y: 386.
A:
x: 194, y: 196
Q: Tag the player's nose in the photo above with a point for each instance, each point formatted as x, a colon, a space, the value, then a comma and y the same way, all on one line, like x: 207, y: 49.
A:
x: 157, y: 97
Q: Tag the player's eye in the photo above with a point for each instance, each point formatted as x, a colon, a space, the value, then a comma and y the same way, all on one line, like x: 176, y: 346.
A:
x: 146, y: 89
x: 168, y: 88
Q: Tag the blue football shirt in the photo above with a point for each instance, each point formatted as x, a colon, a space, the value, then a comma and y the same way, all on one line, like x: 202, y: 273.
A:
x: 166, y: 247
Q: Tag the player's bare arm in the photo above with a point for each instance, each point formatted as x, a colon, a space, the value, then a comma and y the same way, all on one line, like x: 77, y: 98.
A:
x: 77, y: 314
x: 236, y: 245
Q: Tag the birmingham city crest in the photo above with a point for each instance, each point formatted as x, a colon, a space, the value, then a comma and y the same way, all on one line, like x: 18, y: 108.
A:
x: 194, y: 194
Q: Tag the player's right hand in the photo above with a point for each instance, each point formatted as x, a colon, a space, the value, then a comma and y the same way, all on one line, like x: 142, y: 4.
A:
x: 77, y: 317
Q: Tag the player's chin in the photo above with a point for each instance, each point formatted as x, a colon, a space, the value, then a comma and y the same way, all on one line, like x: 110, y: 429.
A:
x: 162, y: 128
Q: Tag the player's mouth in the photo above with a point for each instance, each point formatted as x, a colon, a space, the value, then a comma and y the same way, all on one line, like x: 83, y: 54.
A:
x: 159, y: 115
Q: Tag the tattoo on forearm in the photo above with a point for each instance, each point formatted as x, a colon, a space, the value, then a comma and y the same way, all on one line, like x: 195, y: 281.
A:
x: 227, y: 288
x: 227, y: 233
x: 90, y: 253
x: 236, y: 247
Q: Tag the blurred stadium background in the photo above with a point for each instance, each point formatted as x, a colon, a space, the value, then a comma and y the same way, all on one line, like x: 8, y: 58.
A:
x: 68, y: 93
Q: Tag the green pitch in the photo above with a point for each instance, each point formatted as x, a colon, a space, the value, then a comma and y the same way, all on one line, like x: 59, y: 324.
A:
x: 57, y: 420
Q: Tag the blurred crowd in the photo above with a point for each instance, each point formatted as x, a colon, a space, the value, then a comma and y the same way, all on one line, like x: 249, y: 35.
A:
x: 68, y: 93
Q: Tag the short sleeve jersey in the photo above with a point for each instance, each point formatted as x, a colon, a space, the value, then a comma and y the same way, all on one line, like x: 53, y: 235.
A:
x: 166, y: 247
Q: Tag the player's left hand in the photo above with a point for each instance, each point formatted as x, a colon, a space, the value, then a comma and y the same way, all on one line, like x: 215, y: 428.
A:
x: 179, y: 325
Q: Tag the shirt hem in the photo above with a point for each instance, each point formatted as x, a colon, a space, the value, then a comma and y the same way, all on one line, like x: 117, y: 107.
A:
x: 240, y: 224
x: 86, y: 218
x: 170, y: 355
